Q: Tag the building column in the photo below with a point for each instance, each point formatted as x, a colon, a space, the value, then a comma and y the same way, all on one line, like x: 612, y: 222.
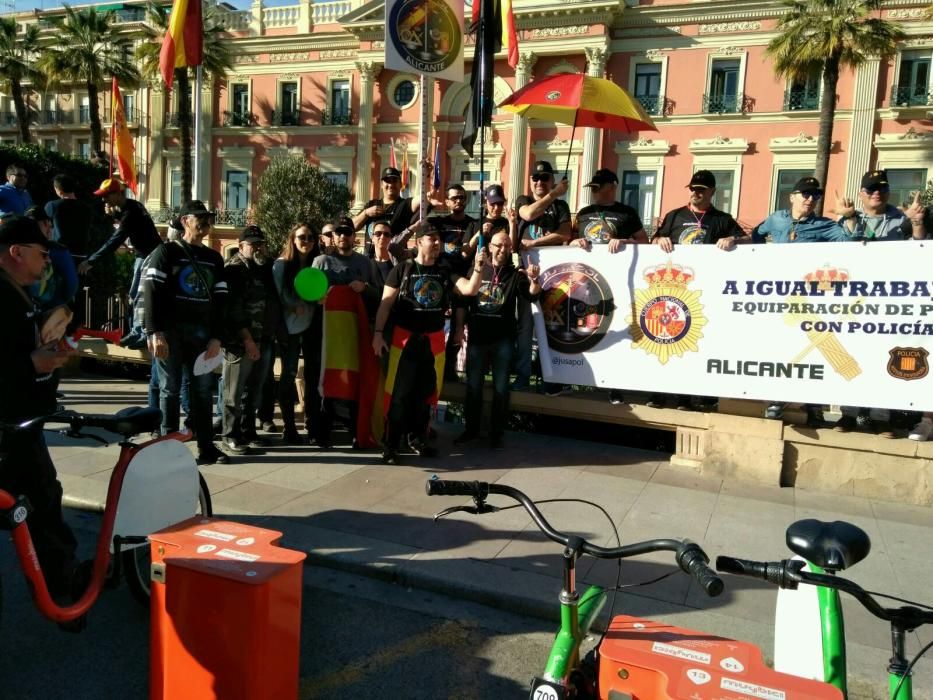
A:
x: 863, y: 125
x: 255, y: 18
x: 596, y: 57
x: 369, y: 71
x: 523, y: 72
x: 207, y: 129
x: 155, y: 171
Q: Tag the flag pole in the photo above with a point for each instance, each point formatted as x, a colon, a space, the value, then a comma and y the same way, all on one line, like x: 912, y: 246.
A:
x: 423, y: 136
x: 196, y: 179
x: 481, y: 36
x: 113, y: 121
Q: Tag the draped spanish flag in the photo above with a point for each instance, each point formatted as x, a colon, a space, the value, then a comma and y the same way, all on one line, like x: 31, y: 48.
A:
x: 122, y: 146
x: 349, y: 369
x: 505, y: 24
x: 400, y: 338
x: 184, y: 39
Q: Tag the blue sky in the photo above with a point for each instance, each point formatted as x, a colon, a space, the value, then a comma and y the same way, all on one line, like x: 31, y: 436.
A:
x: 22, y: 5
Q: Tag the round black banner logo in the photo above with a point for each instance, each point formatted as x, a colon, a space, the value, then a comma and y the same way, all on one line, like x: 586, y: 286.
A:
x: 426, y: 34
x: 577, y: 305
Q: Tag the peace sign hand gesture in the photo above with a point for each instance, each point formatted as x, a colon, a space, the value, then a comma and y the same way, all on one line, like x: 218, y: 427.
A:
x: 845, y: 207
x: 915, y: 211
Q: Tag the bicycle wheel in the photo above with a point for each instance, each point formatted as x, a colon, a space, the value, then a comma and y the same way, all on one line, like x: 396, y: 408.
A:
x: 137, y: 561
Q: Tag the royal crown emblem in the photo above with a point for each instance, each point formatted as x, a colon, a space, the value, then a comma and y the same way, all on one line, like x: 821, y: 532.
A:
x: 826, y: 276
x: 667, y: 316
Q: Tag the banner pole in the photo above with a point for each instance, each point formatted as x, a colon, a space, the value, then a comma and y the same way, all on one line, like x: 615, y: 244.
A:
x: 113, y: 121
x: 196, y: 179
x: 424, y: 132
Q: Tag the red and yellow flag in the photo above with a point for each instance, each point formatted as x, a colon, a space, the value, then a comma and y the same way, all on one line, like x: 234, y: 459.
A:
x: 123, y: 150
x: 405, y: 166
x: 184, y: 40
x: 504, y: 22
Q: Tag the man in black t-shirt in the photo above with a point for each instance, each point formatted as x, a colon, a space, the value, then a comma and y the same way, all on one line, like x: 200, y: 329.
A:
x: 496, y: 219
x: 695, y: 224
x: 606, y: 221
x: 492, y: 336
x: 415, y: 299
x: 543, y: 220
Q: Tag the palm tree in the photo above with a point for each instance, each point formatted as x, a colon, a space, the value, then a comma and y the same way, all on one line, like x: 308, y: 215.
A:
x: 826, y: 36
x: 218, y: 61
x: 17, y: 51
x: 88, y: 47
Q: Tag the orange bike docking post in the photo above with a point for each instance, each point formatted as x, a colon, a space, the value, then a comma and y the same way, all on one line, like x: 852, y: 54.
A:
x: 226, y: 613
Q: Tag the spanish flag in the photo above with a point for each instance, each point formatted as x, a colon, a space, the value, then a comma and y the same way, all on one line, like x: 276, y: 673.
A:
x: 122, y: 141
x: 184, y: 40
x: 505, y: 24
x: 349, y: 369
x: 400, y: 338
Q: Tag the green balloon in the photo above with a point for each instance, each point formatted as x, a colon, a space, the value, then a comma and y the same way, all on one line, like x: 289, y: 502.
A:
x: 311, y: 284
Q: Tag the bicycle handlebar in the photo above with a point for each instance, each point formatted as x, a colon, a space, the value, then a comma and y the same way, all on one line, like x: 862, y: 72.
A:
x: 788, y: 573
x: 690, y: 556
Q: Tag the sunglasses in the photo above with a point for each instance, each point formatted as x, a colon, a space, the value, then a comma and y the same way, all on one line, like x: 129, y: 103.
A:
x: 698, y: 190
x: 457, y: 198
x: 42, y: 251
x: 379, y: 234
x: 880, y: 189
x: 304, y: 237
x: 540, y: 178
x: 344, y: 233
x: 811, y: 194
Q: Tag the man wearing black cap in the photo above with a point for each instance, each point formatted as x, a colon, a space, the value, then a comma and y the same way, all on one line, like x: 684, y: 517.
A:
x: 799, y: 224
x: 699, y: 221
x: 543, y: 220
x: 606, y: 221
x: 248, y: 349
x: 496, y: 218
x: 184, y: 294
x: 134, y: 223
x: 392, y: 207
x: 416, y: 296
x: 879, y: 220
x: 26, y: 391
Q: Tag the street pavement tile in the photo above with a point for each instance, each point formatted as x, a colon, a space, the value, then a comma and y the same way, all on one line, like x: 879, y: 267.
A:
x: 84, y: 463
x: 305, y: 477
x: 242, y: 468
x: 686, y: 479
x: 634, y: 469
x: 816, y: 501
x: 540, y: 481
x: 748, y: 491
x: 218, y: 484
x: 748, y: 528
x: 643, y: 523
x: 83, y: 488
x: 640, y: 569
x: 904, y: 540
x: 674, y: 499
x: 254, y: 498
x: 614, y: 493
x: 903, y: 513
x: 911, y: 577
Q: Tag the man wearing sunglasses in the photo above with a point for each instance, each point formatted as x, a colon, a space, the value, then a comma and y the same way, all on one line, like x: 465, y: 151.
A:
x: 27, y: 391
x: 799, y: 223
x: 132, y: 222
x: 184, y: 292
x: 879, y: 220
x: 14, y: 197
x: 699, y: 221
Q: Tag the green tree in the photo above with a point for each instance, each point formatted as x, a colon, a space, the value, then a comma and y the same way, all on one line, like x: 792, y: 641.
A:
x: 218, y: 61
x: 827, y: 36
x: 17, y: 53
x: 88, y: 47
x: 292, y: 191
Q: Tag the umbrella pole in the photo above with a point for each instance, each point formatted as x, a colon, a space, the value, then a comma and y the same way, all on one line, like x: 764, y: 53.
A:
x: 570, y: 143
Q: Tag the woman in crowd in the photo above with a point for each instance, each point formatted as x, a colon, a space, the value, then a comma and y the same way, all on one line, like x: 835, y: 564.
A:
x: 303, y: 327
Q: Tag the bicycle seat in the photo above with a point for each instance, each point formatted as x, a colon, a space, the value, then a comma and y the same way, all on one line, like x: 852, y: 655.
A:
x: 126, y: 422
x: 831, y: 546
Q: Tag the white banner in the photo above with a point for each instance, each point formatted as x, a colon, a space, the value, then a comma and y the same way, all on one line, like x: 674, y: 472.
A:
x: 826, y: 323
x: 425, y: 36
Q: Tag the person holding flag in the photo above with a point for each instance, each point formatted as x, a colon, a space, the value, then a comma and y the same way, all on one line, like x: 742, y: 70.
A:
x: 122, y: 148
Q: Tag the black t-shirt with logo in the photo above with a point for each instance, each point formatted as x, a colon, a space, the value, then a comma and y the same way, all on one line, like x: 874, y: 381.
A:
x: 492, y: 310
x: 600, y: 224
x: 454, y: 235
x: 424, y: 293
x: 686, y: 227
x: 398, y: 214
x: 550, y: 220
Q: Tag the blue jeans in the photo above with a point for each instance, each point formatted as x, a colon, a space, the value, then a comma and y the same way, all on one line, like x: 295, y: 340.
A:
x: 154, y: 388
x: 479, y: 356
x: 134, y: 324
x: 523, y: 343
x: 183, y: 347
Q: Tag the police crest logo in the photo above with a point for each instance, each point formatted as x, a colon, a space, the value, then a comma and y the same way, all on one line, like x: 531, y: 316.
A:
x: 908, y: 363
x: 577, y: 305
x: 667, y: 316
x: 426, y: 34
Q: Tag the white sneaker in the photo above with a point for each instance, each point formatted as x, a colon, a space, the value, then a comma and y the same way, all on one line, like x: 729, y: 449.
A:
x: 921, y: 431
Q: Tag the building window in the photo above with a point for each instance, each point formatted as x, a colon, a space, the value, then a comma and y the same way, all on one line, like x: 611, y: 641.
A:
x: 288, y: 104
x: 904, y: 183
x: 786, y: 179
x: 804, y: 93
x: 339, y: 103
x: 237, y: 182
x: 240, y: 114
x: 83, y: 148
x: 722, y: 197
x: 470, y: 180
x: 129, y: 108
x: 339, y: 178
x: 175, y: 190
x: 84, y: 111
x: 404, y: 94
x: 50, y: 144
x: 913, y: 80
x: 639, y: 192
x: 723, y: 94
x: 648, y: 87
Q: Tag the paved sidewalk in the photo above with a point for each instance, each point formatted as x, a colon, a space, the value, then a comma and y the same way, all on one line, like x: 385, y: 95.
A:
x: 349, y: 511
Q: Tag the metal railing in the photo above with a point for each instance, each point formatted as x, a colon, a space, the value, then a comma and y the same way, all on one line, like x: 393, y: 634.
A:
x: 656, y: 105
x: 173, y: 120
x: 52, y: 117
x: 339, y: 118
x: 725, y: 104
x: 795, y: 100
x: 239, y: 119
x: 84, y: 114
x: 237, y: 218
x: 132, y: 115
x: 910, y: 96
x: 286, y: 118
x: 7, y: 119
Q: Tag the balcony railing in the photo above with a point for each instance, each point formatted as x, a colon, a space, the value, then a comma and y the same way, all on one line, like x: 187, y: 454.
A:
x: 795, y: 100
x: 173, y: 120
x: 656, y: 105
x: 725, y: 104
x: 338, y: 118
x: 84, y: 114
x: 132, y: 115
x: 910, y: 96
x: 239, y: 119
x: 236, y: 218
x: 286, y: 118
x: 53, y: 117
x: 7, y: 119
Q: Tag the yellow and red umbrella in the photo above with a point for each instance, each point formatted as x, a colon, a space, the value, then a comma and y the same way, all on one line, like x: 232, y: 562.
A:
x: 581, y: 100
